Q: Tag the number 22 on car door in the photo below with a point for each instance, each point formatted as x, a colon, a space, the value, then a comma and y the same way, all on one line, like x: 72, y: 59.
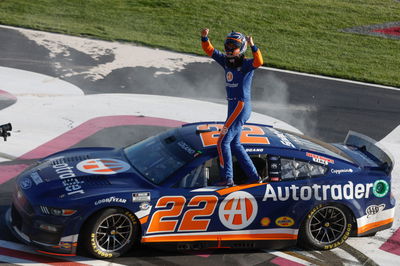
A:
x: 175, y: 214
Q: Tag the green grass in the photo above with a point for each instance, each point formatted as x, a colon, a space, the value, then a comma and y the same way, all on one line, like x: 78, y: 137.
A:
x: 302, y: 35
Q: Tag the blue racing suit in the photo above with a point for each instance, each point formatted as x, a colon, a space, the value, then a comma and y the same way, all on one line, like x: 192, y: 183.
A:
x: 238, y: 90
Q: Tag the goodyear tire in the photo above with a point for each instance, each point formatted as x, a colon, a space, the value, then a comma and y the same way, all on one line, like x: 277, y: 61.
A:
x: 325, y: 227
x: 109, y: 233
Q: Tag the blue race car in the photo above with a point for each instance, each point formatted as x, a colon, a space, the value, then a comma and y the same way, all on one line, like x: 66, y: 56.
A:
x: 162, y: 191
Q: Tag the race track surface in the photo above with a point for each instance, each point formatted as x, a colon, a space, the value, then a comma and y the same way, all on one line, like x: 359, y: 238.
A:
x: 61, y: 92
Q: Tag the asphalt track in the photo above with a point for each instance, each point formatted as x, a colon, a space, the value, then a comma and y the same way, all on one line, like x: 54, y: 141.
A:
x: 320, y: 107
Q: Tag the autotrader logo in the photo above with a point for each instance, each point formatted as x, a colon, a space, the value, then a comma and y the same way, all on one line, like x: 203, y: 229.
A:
x: 238, y: 210
x: 103, y: 166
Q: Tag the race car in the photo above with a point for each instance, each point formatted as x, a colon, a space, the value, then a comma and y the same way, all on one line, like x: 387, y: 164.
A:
x: 164, y: 191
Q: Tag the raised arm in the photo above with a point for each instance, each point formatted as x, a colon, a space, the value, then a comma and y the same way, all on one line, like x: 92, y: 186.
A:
x: 258, y: 59
x: 205, y: 42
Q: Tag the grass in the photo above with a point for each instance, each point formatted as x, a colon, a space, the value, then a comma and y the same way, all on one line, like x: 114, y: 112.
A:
x: 301, y: 35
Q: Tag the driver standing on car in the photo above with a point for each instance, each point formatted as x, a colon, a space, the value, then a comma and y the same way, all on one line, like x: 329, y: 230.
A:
x: 238, y: 75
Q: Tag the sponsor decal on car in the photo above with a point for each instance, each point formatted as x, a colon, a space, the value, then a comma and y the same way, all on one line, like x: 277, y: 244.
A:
x: 103, y: 166
x: 317, y: 192
x: 284, y: 221
x: 283, y: 139
x: 141, y: 196
x: 254, y: 150
x: 341, y: 171
x: 265, y: 221
x: 36, y: 178
x: 64, y: 170
x: 144, y: 206
x: 67, y: 245
x: 238, y: 210
x: 65, y: 173
x: 381, y: 188
x: 186, y: 147
x: 320, y: 159
x: 374, y: 209
x: 25, y: 183
x: 73, y: 185
x: 110, y: 200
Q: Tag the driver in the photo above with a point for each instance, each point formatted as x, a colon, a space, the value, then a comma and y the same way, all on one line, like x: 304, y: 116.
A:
x: 238, y: 75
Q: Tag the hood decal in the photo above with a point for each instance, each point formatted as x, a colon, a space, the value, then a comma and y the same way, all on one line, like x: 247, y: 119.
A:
x: 103, y: 166
x: 67, y: 175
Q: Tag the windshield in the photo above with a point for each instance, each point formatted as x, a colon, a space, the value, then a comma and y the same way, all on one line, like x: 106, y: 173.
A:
x: 156, y: 158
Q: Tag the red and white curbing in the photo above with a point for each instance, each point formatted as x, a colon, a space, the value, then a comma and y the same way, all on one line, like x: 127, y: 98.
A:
x: 20, y: 254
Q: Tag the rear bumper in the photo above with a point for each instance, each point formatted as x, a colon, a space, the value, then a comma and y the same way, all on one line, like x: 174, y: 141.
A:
x: 369, y: 224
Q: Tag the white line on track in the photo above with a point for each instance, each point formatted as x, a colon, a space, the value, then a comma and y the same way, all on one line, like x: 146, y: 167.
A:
x: 31, y: 250
x: 287, y: 256
x: 331, y: 78
x: 18, y: 261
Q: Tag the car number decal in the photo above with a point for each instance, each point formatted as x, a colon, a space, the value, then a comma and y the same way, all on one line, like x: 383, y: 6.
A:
x: 250, y: 134
x: 190, y: 220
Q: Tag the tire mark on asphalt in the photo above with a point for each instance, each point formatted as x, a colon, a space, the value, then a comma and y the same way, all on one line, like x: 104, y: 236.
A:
x: 361, y: 257
x: 304, y: 257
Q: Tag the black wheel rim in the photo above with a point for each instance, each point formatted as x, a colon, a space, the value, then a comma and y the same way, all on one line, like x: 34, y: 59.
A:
x: 327, y: 225
x: 114, y: 232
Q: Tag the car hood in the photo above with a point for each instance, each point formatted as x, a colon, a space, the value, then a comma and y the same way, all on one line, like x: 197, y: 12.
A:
x: 81, y: 173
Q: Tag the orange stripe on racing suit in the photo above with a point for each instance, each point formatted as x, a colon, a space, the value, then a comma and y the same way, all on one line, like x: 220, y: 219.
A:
x: 209, y: 50
x: 238, y: 89
x: 207, y: 47
x: 228, y: 123
x: 258, y: 59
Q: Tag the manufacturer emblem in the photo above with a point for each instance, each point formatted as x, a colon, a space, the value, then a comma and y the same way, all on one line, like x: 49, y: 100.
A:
x: 238, y: 210
x: 25, y: 183
x: 103, y: 166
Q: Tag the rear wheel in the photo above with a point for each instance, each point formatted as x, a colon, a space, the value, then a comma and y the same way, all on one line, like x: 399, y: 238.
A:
x: 109, y: 233
x: 325, y: 227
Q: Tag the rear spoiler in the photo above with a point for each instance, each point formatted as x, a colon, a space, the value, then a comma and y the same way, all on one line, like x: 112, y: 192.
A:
x: 369, y: 147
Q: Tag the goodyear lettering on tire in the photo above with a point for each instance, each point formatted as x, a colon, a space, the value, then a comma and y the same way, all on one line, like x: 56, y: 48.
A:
x: 131, y: 216
x: 95, y: 248
x: 314, y: 210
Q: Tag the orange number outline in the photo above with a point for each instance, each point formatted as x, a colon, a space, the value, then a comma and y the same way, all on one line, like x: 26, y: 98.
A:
x: 157, y: 224
x: 258, y: 135
x: 250, y: 135
x: 210, y: 138
x: 189, y: 221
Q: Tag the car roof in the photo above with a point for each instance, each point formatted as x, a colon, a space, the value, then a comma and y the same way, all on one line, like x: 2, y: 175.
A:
x: 204, y: 135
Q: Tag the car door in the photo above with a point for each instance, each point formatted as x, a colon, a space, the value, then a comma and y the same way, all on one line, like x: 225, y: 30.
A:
x: 184, y: 212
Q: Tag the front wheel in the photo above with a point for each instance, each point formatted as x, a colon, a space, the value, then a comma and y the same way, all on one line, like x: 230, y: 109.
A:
x: 326, y: 227
x: 109, y: 233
